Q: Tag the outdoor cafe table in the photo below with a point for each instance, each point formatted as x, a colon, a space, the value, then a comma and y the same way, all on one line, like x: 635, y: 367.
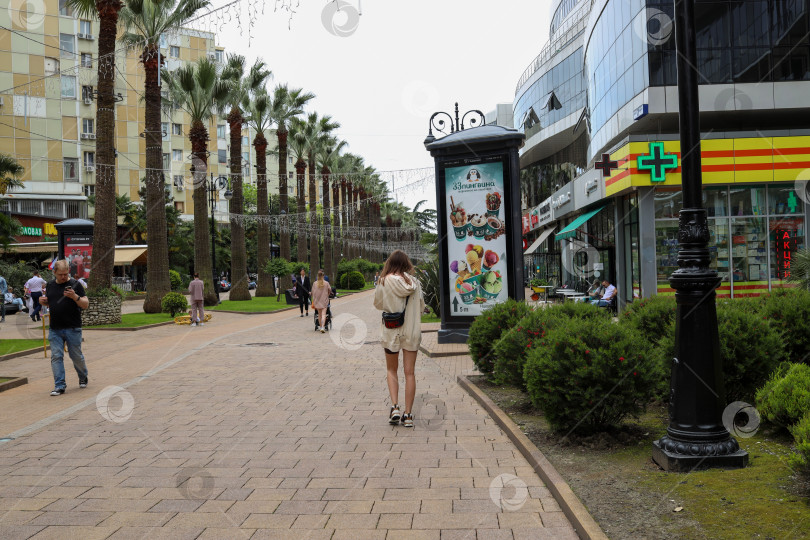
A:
x: 570, y: 294
x: 545, y: 290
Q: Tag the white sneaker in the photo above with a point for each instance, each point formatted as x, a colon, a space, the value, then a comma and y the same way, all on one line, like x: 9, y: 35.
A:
x: 323, y: 331
x: 202, y: 324
x: 193, y: 324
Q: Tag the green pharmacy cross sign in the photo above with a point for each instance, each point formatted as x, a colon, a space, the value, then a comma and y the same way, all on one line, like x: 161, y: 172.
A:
x: 792, y: 202
x: 657, y: 162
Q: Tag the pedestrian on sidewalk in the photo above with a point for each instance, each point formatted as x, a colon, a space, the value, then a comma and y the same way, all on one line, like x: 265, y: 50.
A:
x: 66, y: 299
x: 11, y: 298
x: 399, y: 296
x: 34, y: 287
x: 321, y: 292
x: 195, y: 289
x: 78, y: 278
x: 3, y: 291
x: 302, y: 290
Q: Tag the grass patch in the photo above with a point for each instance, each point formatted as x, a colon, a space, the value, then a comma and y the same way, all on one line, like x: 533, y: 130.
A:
x: 257, y: 305
x: 431, y: 318
x: 764, y: 500
x: 9, y: 346
x: 136, y: 320
x: 5, y: 379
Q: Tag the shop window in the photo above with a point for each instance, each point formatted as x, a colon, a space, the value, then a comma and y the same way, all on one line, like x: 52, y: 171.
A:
x: 667, y: 203
x: 747, y: 201
x: 715, y: 201
x: 784, y: 200
x: 748, y: 254
x: 786, y: 236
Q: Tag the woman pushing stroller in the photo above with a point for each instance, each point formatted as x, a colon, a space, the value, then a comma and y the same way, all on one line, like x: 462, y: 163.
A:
x: 321, y: 292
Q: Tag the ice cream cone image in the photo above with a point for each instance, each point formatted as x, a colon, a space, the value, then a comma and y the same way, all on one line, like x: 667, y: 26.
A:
x: 474, y: 261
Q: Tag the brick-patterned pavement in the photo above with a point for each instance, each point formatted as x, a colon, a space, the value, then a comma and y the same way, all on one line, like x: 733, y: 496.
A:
x: 257, y: 427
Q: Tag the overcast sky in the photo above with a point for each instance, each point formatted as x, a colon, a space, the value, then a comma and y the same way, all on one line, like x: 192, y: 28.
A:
x: 399, y: 63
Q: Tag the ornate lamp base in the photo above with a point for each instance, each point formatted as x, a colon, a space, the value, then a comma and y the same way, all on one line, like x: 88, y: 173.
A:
x: 678, y: 456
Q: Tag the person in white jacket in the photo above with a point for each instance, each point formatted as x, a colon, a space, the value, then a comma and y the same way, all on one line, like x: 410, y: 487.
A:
x: 396, y: 285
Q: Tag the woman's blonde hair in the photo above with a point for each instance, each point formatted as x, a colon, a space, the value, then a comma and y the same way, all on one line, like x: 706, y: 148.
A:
x: 320, y: 281
x: 397, y: 263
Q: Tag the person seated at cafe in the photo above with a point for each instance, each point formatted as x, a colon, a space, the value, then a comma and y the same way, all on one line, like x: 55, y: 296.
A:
x: 594, y: 293
x: 11, y: 298
x: 607, y: 295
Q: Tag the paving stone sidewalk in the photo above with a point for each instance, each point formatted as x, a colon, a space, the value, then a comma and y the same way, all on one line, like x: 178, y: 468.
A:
x: 258, y: 427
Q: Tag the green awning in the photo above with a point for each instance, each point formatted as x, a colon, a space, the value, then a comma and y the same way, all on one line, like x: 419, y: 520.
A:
x: 571, y: 229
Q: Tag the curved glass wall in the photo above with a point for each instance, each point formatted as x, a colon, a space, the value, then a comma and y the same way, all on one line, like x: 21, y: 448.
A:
x: 738, y: 41
x: 616, y: 60
x: 562, y: 11
x: 566, y: 81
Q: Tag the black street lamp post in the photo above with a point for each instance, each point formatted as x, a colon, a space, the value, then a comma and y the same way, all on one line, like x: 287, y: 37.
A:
x: 696, y: 437
x: 215, y: 185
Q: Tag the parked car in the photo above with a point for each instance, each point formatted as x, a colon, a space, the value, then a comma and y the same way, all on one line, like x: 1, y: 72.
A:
x: 224, y: 285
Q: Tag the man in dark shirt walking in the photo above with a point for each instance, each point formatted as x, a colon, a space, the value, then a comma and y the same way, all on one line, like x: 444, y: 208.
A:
x: 66, y: 299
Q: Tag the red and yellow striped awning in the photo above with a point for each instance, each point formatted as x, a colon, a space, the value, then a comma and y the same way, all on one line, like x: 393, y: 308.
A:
x: 724, y: 161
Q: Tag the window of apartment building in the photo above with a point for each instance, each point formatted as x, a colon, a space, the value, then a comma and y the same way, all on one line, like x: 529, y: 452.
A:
x: 166, y: 165
x: 51, y: 66
x: 64, y: 9
x: 164, y: 129
x: 68, y: 87
x: 87, y: 60
x: 70, y: 169
x: 88, y: 125
x: 177, y: 155
x: 174, y: 51
x: 290, y: 174
x: 67, y: 45
x: 180, y: 206
x: 87, y: 92
x: 246, y: 159
x: 222, y: 156
x: 85, y: 28
x: 245, y: 141
x: 177, y: 129
x: 218, y: 55
x: 163, y: 41
x: 89, y: 159
x: 177, y: 180
x: 89, y: 191
x: 221, y: 131
x: 289, y: 158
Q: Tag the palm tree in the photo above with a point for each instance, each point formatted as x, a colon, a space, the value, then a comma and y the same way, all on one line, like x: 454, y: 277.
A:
x: 314, y: 133
x: 259, y: 117
x: 197, y: 88
x: 298, y: 147
x: 241, y: 86
x: 327, y: 158
x: 105, y: 219
x: 287, y: 105
x: 10, y: 173
x: 145, y: 21
x: 425, y: 219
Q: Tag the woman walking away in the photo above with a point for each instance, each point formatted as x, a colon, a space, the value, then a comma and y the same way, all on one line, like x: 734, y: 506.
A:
x: 320, y: 299
x: 302, y: 288
x: 399, y: 296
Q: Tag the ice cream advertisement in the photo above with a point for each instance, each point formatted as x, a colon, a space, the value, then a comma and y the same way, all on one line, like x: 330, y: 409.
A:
x: 477, y: 237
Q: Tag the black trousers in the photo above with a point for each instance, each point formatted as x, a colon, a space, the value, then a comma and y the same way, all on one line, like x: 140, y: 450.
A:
x: 35, y: 296
x: 303, y: 301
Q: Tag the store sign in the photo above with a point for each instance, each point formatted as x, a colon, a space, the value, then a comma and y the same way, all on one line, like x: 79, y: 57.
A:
x: 541, y: 215
x: 785, y: 250
x: 31, y: 231
x: 477, y: 257
x: 561, y: 199
x: 606, y: 165
x: 526, y: 223
x: 657, y: 162
x: 591, y: 186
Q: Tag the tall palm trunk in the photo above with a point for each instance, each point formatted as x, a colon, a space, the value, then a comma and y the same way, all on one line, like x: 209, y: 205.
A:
x: 264, y: 286
x: 198, y: 136
x: 355, y: 222
x: 327, y: 233
x: 300, y: 171
x: 284, y: 281
x: 364, y: 223
x: 314, y: 244
x: 239, y: 278
x: 335, y: 230
x: 344, y: 220
x: 106, y: 219
x: 157, y: 253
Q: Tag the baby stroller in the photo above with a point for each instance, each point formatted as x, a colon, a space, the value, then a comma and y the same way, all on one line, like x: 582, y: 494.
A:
x: 327, y: 323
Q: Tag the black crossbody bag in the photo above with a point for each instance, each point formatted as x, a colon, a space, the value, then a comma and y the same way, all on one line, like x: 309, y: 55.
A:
x: 395, y: 320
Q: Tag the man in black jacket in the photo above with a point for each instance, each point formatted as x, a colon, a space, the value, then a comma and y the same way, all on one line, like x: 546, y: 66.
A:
x: 302, y: 289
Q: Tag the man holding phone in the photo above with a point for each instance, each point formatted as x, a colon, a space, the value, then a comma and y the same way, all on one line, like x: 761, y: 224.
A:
x: 65, y: 297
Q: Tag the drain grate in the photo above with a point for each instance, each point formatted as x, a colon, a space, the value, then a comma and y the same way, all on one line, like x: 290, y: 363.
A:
x: 261, y: 344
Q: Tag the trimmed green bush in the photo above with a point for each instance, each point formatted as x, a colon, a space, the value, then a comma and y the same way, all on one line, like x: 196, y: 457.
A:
x: 785, y: 398
x: 510, y: 352
x: 173, y: 303
x: 486, y: 330
x: 356, y: 281
x: 801, y: 434
x: 344, y: 281
x: 177, y: 281
x: 590, y: 374
x: 789, y: 311
x: 650, y: 316
x: 750, y: 349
